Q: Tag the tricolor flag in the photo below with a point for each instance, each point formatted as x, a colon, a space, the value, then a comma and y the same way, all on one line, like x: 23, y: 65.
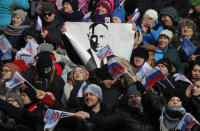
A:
x: 121, y: 3
x: 16, y: 80
x: 181, y: 77
x: 86, y: 17
x: 133, y: 18
x: 104, y: 52
x: 38, y: 24
x: 59, y: 4
x: 188, y: 47
x: 32, y: 48
x: 51, y: 119
x: 187, y: 122
x: 143, y: 71
x: 115, y: 69
x: 82, y: 89
x: 152, y: 77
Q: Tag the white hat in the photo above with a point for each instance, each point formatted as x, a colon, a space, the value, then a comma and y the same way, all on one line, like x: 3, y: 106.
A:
x: 167, y: 33
x: 151, y: 13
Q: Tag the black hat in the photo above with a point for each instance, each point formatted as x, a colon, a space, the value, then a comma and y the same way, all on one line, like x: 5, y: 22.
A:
x: 48, y: 7
x: 166, y: 62
x: 132, y: 90
x: 103, y: 73
x: 73, y: 3
x: 140, y: 52
x: 30, y: 92
x: 44, y: 60
x: 34, y: 33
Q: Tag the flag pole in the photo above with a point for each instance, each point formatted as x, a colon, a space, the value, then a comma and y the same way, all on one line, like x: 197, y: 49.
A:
x: 130, y: 75
x: 169, y: 82
x: 30, y: 85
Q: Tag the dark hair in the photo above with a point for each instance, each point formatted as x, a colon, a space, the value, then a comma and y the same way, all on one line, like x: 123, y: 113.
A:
x: 92, y: 26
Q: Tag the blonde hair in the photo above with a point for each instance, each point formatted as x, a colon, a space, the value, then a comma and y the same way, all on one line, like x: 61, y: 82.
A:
x: 85, y: 72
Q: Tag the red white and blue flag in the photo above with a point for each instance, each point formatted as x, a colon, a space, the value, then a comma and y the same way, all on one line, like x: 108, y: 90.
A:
x: 16, y: 80
x: 181, y: 77
x: 39, y: 24
x: 121, y: 3
x: 104, y: 52
x: 82, y: 89
x: 32, y: 48
x: 152, y: 77
x: 59, y: 4
x: 115, y: 69
x: 86, y: 17
x: 133, y: 18
x: 143, y: 70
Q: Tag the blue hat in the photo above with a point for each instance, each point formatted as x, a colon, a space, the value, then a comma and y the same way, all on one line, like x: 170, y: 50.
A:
x: 119, y: 12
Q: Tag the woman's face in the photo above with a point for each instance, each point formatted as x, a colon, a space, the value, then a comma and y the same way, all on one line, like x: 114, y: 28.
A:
x: 25, y: 98
x: 174, y: 102
x: 67, y: 7
x: 163, y: 41
x: 16, y: 20
x: 186, y: 31
x: 79, y: 74
x: 196, y: 72
x: 138, y: 61
x: 5, y: 73
x: 102, y: 10
x: 167, y: 20
x: 196, y: 89
x: 116, y: 19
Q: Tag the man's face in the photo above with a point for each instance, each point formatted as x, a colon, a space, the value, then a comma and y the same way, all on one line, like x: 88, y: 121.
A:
x: 49, y: 17
x: 163, y: 68
x: 91, y: 100
x: 98, y: 39
x: 134, y: 101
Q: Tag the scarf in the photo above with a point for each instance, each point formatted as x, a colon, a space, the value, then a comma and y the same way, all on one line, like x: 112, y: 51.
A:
x: 15, y: 31
x: 170, y: 117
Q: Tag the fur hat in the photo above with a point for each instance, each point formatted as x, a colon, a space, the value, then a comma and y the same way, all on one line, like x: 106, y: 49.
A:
x: 17, y: 98
x: 132, y: 90
x: 48, y: 7
x: 140, y: 52
x: 165, y: 62
x: 21, y: 13
x: 96, y: 90
x: 21, y: 64
x: 46, y: 47
x: 103, y: 73
x: 73, y: 3
x: 119, y: 12
x: 167, y: 33
x: 34, y: 33
x: 152, y: 13
x: 13, y: 68
x: 149, y: 48
x: 187, y: 22
x: 108, y: 4
x: 44, y: 60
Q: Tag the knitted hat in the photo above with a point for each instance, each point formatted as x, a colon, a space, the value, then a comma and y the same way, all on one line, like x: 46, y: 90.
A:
x: 103, y: 73
x: 30, y: 92
x: 152, y: 13
x: 167, y: 33
x: 165, y: 62
x: 194, y: 2
x: 34, y: 33
x: 46, y: 47
x: 21, y: 13
x: 172, y: 12
x: 13, y: 68
x: 132, y: 90
x: 108, y: 4
x: 187, y: 22
x: 149, y: 48
x: 17, y: 98
x: 21, y: 64
x: 48, y: 7
x: 94, y: 89
x: 44, y: 60
x: 140, y: 52
x: 119, y: 12
x: 73, y: 3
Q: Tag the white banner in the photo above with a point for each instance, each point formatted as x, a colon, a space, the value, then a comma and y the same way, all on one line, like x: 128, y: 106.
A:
x: 88, y: 38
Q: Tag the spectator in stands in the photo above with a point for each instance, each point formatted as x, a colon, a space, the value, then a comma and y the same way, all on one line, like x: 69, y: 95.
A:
x: 195, y: 72
x: 151, y: 50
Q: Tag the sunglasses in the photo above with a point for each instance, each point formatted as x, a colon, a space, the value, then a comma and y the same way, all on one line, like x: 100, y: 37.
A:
x: 49, y: 14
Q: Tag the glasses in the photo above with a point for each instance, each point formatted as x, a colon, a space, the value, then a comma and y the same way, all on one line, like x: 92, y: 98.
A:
x: 5, y: 70
x: 49, y: 14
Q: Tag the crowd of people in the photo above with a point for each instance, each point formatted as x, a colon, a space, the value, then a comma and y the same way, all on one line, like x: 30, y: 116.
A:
x: 58, y: 79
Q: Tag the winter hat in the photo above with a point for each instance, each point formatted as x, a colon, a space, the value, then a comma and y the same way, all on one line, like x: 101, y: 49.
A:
x: 172, y: 12
x: 34, y: 33
x: 187, y: 22
x: 119, y: 12
x: 13, y: 68
x: 151, y: 13
x: 103, y: 73
x: 167, y: 33
x: 108, y: 4
x: 46, y: 47
x: 21, y: 13
x: 140, y: 52
x: 48, y: 7
x: 132, y: 90
x: 149, y: 48
x: 44, y: 60
x: 165, y: 62
x: 21, y: 64
x: 194, y: 2
x: 73, y: 3
x: 30, y: 92
x: 17, y: 98
x: 94, y: 89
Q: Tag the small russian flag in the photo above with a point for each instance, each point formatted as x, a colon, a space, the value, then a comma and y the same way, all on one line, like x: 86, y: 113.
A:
x: 38, y: 24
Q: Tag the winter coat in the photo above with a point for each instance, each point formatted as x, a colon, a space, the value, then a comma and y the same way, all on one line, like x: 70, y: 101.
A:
x: 160, y: 53
x: 72, y: 17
